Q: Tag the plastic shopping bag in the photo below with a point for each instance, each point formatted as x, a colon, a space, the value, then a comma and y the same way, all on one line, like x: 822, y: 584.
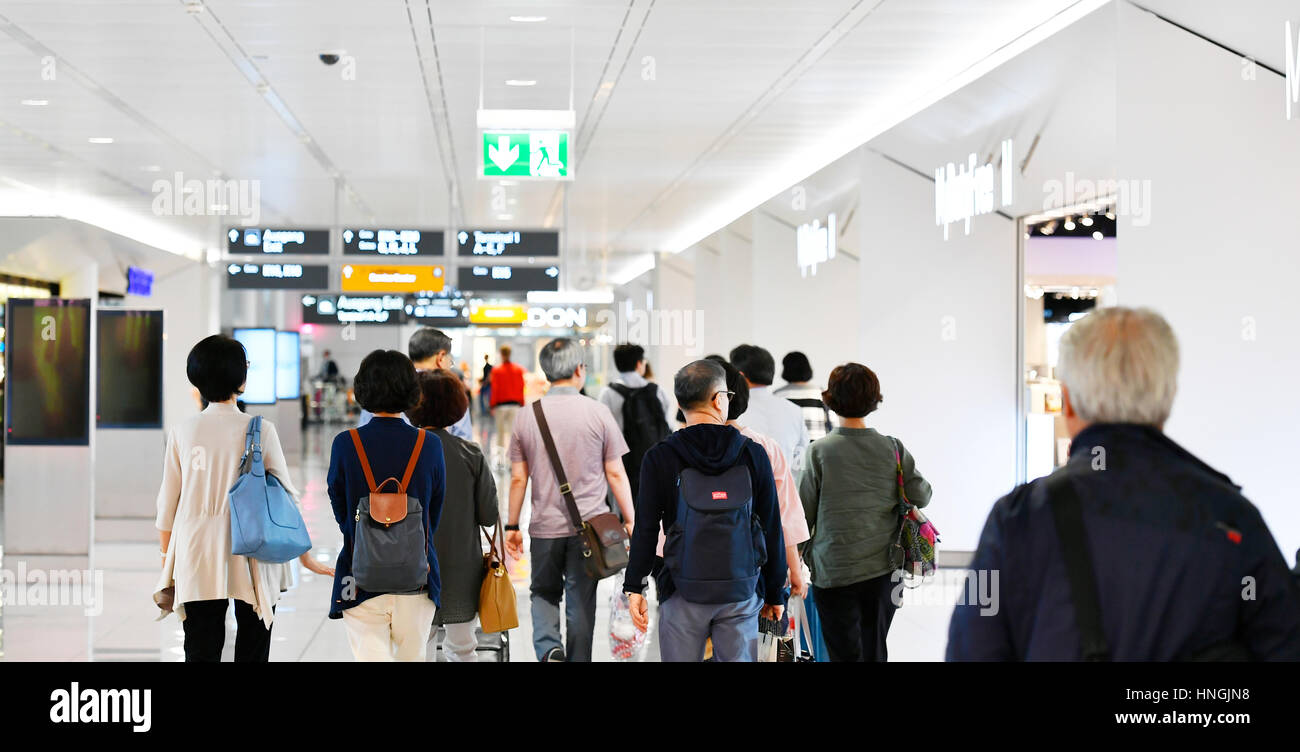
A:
x: 625, y: 641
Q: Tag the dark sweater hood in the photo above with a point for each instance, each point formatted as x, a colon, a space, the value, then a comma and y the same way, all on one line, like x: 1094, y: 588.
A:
x: 710, y: 448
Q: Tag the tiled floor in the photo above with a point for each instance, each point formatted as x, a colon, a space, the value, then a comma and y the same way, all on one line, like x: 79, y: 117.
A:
x: 126, y: 629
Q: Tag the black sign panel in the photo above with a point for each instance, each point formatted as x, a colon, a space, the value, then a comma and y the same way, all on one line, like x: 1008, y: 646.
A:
x: 437, y: 312
x: 487, y: 278
x: 496, y: 243
x: 392, y: 243
x: 273, y: 240
x: 353, y: 309
x: 276, y: 276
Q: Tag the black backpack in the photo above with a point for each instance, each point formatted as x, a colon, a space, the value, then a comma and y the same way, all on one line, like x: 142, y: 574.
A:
x: 644, y: 425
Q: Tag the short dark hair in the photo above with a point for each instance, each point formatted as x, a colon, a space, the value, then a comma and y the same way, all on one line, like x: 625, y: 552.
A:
x: 426, y: 343
x: 218, y: 367
x: 852, y: 391
x: 627, y: 355
x: 442, y: 400
x: 755, y: 362
x: 695, y: 383
x: 735, y: 383
x: 795, y: 368
x: 386, y: 383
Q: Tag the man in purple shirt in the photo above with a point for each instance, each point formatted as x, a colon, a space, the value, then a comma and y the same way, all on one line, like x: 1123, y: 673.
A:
x: 590, y: 449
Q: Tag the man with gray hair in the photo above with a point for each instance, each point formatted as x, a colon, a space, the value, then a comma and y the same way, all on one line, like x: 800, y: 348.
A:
x: 590, y: 450
x: 1135, y: 550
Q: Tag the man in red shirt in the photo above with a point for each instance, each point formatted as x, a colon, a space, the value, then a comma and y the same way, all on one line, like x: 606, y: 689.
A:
x: 507, y: 397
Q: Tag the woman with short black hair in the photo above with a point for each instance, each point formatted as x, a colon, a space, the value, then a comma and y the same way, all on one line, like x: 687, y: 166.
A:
x: 386, y: 625
x: 797, y: 372
x: 201, y: 463
x: 470, y: 502
x: 849, y: 488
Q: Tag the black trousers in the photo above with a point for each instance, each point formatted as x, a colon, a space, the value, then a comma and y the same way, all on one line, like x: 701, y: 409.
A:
x: 205, y: 632
x: 855, y: 619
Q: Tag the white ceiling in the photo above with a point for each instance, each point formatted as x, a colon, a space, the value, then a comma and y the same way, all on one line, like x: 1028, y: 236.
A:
x: 739, y: 89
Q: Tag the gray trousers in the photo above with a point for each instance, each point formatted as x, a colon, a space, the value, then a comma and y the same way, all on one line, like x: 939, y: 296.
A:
x: 560, y: 571
x: 684, y: 627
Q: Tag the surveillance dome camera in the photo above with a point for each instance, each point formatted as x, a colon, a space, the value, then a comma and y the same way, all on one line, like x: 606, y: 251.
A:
x: 329, y: 58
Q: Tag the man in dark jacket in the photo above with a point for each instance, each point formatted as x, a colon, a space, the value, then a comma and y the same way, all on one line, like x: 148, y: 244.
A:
x: 1175, y: 563
x: 709, y: 446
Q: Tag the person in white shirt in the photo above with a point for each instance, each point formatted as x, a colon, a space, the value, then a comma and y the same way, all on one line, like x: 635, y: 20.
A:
x: 630, y: 361
x: 799, y: 389
x: 771, y: 415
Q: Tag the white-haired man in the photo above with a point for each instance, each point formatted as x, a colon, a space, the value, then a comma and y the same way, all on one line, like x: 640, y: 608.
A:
x: 1135, y: 550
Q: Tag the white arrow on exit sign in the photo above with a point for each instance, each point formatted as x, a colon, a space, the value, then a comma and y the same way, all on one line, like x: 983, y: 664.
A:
x: 502, y: 153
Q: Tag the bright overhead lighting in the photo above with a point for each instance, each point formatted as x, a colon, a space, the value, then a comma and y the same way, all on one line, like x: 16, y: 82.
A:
x: 588, y: 297
x: 521, y: 82
x: 1097, y: 235
x: 633, y: 270
x: 1069, y: 223
x: 36, y: 102
x: 528, y: 19
x: 1086, y: 221
x: 100, y: 140
x: 873, y: 119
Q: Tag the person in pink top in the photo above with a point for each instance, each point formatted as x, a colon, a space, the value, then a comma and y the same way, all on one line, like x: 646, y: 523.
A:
x: 794, y: 526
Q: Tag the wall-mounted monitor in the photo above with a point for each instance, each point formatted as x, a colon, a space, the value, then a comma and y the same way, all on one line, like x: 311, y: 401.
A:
x: 47, y: 371
x: 494, y: 243
x: 288, y: 366
x: 260, y: 345
x: 277, y: 240
x: 129, y: 369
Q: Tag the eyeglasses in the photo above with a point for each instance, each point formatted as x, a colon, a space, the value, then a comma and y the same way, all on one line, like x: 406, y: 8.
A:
x: 730, y: 394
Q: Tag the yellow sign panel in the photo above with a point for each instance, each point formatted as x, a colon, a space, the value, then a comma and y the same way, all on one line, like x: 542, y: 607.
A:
x: 393, y: 278
x: 500, y: 315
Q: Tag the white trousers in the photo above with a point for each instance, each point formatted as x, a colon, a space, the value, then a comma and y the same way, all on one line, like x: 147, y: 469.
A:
x: 460, y: 645
x: 504, y: 416
x: 390, y: 627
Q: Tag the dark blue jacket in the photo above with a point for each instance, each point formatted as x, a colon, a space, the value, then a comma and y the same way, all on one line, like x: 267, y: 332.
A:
x: 711, y: 449
x: 388, y: 443
x: 1174, y: 547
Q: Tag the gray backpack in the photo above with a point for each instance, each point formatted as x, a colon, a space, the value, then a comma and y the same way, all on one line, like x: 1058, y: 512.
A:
x: 389, y: 538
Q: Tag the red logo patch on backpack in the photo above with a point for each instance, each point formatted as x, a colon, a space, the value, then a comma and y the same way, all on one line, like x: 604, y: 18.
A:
x: 719, y: 495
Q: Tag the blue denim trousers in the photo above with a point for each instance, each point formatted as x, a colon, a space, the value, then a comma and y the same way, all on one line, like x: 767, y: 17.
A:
x: 560, y: 571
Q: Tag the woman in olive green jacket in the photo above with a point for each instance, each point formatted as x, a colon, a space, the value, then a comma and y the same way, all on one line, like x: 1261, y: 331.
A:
x: 849, y: 490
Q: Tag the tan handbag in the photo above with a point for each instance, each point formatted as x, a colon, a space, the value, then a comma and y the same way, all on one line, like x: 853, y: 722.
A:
x: 496, y: 597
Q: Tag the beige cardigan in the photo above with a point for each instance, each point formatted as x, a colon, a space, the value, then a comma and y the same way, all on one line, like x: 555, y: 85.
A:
x: 200, y: 466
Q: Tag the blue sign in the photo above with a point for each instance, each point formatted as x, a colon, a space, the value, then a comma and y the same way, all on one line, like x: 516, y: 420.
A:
x: 138, y: 281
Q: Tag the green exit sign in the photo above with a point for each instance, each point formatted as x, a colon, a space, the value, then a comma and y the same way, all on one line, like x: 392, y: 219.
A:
x: 543, y: 155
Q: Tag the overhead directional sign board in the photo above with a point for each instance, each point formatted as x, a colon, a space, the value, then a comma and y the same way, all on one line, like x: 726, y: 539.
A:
x: 510, y: 278
x: 508, y: 243
x: 376, y: 242
x: 529, y: 155
x: 273, y: 240
x: 276, y: 276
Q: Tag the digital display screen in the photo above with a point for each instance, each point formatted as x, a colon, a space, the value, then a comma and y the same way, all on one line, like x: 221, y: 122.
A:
x: 260, y: 345
x: 510, y: 278
x: 392, y: 243
x: 276, y: 276
x: 437, y: 312
x: 129, y: 369
x: 493, y: 243
x: 288, y: 366
x: 277, y: 240
x: 47, y: 373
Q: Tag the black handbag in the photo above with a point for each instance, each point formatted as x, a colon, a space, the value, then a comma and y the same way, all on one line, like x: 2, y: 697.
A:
x: 605, y: 544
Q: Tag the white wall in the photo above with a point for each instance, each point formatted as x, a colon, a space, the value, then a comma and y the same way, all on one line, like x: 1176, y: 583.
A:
x: 938, y: 326
x: 1219, y: 255
x: 186, y: 299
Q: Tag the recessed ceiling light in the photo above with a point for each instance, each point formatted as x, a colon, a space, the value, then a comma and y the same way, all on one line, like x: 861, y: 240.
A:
x: 1097, y: 235
x: 100, y: 140
x: 36, y: 102
x: 520, y: 82
x: 528, y: 19
x: 1086, y: 221
x: 151, y: 168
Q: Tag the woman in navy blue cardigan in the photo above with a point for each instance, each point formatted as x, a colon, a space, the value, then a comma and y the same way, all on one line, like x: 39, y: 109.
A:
x: 385, y: 626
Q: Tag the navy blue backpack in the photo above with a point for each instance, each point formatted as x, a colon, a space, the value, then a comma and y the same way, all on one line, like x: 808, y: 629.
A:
x: 715, y: 549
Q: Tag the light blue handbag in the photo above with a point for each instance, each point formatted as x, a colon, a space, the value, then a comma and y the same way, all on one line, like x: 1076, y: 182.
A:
x: 264, y: 520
